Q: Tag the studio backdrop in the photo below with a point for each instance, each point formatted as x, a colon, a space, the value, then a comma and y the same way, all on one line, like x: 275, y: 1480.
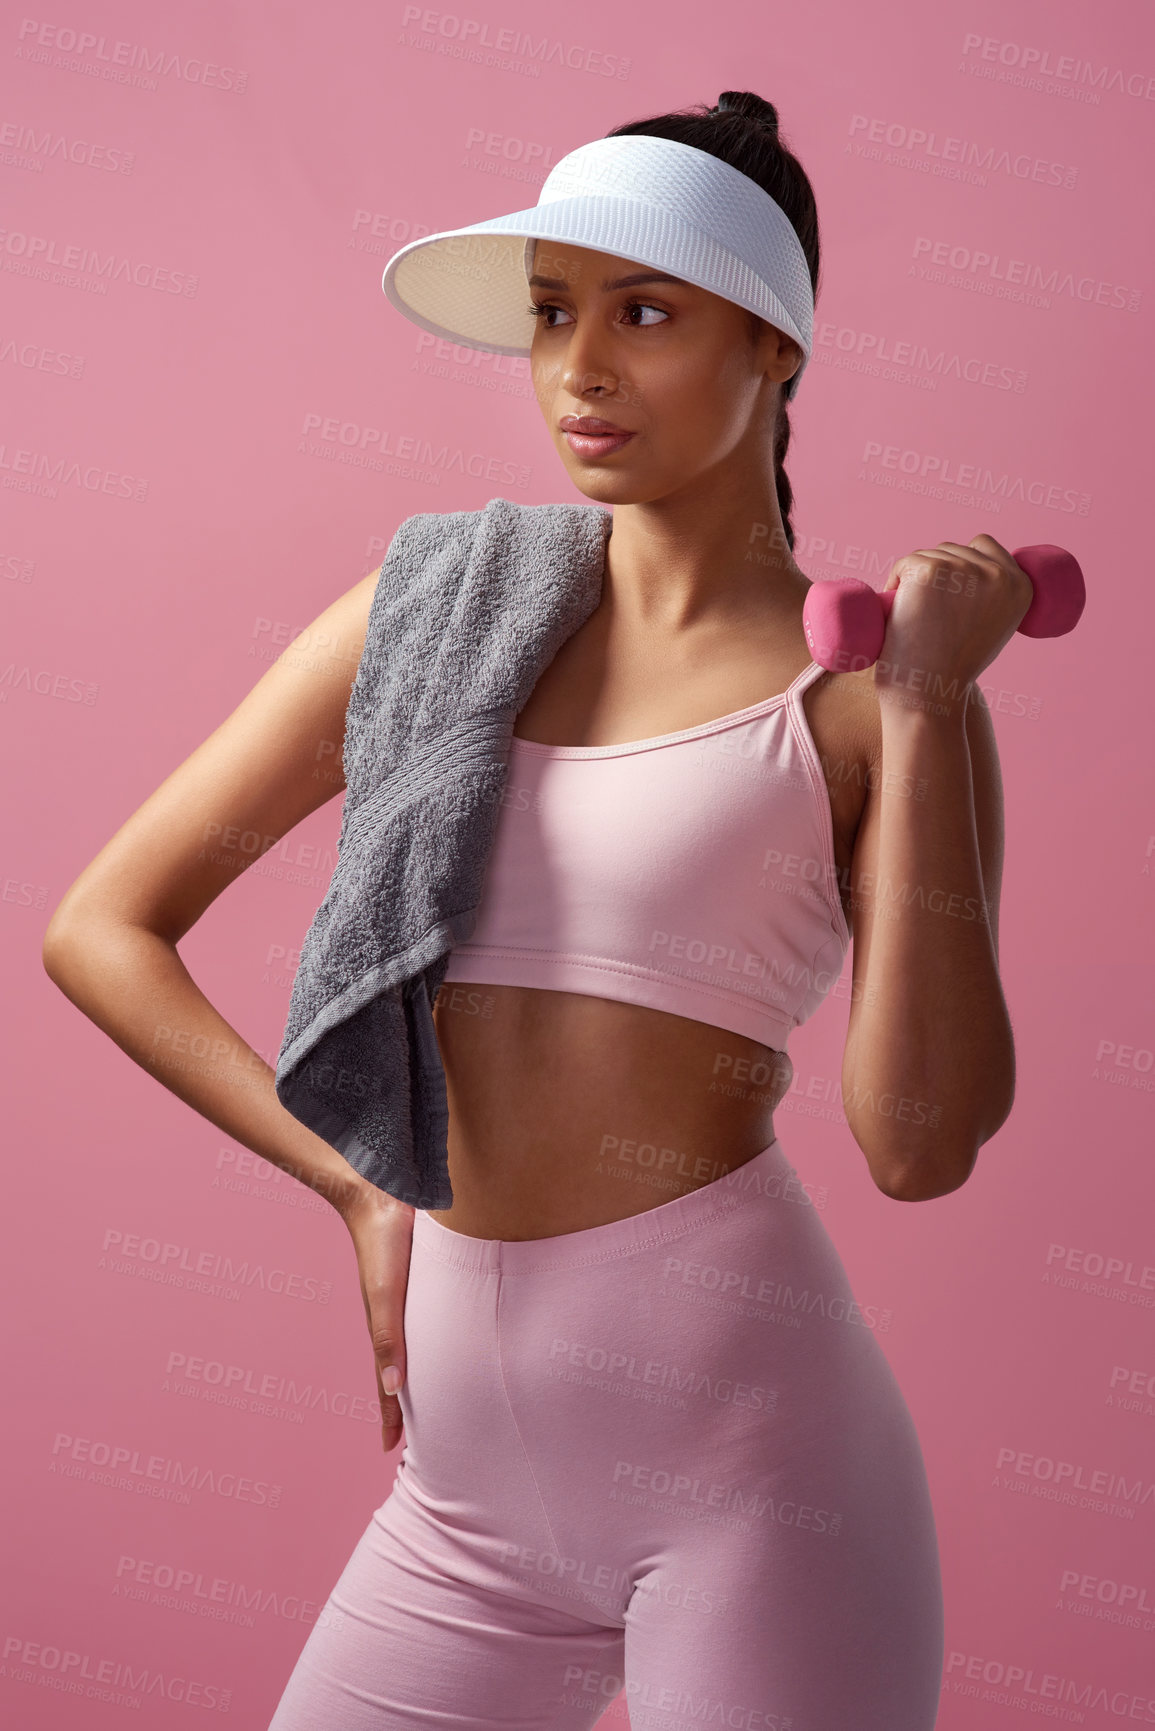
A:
x: 211, y: 424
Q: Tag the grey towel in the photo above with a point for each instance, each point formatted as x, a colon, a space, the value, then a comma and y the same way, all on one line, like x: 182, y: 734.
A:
x: 470, y: 608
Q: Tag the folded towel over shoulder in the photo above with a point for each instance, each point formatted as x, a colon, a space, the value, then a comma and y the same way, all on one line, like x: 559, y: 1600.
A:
x: 470, y: 608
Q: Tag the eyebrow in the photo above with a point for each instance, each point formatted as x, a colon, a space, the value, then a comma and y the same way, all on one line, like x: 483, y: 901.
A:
x: 621, y: 282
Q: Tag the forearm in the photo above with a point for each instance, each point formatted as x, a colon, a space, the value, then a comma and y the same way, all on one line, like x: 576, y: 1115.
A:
x: 929, y: 1069
x: 134, y: 985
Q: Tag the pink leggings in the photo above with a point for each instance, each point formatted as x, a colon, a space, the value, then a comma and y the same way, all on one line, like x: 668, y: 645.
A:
x: 665, y: 1456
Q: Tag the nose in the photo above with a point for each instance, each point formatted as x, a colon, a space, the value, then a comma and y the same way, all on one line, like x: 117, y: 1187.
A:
x: 584, y: 372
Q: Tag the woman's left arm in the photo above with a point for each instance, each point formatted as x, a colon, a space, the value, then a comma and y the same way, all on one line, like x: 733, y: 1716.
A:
x: 928, y: 1072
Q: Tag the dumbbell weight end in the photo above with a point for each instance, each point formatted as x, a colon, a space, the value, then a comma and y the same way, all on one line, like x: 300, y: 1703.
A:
x: 845, y: 619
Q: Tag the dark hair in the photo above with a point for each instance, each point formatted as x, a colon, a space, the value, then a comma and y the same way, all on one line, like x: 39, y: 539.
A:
x: 742, y: 129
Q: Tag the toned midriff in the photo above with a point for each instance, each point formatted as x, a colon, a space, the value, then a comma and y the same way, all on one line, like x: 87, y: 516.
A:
x: 567, y: 1111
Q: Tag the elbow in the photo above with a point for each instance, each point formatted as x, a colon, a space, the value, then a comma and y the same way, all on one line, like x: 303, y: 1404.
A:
x: 910, y: 1176
x: 53, y: 951
x: 62, y: 940
x: 924, y: 1165
x: 914, y: 1169
x: 922, y: 1180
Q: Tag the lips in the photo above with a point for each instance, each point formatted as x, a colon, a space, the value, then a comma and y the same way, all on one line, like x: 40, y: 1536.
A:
x: 588, y: 424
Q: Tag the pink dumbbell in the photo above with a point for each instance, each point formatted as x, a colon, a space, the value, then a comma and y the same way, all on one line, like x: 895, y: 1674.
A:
x: 845, y: 619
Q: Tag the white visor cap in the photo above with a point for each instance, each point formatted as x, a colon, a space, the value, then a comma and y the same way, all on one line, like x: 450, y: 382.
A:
x: 650, y: 200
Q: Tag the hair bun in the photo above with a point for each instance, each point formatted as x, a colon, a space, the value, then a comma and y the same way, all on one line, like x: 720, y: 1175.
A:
x: 749, y: 106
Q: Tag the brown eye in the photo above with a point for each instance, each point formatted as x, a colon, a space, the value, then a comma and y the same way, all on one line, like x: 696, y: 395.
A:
x: 645, y: 307
x: 540, y: 311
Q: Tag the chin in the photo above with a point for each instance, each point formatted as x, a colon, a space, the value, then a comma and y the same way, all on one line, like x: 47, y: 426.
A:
x: 600, y: 492
x: 604, y: 488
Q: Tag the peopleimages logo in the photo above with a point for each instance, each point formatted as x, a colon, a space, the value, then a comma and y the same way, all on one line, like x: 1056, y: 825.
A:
x: 505, y: 45
x: 215, y: 1596
x: 635, y: 1482
x: 1107, y: 1592
x: 945, y: 153
x: 1019, y: 1685
x: 163, y: 1476
x: 270, y: 1393
x: 1045, y: 69
x: 945, y: 475
x: 1019, y: 278
x: 1059, y: 1480
x: 911, y: 357
x: 1101, y: 1264
x: 121, y: 61
x: 181, y: 1265
x: 119, y: 1682
x: 590, y: 1356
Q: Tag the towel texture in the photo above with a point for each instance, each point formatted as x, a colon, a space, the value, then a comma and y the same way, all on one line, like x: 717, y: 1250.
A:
x: 470, y: 608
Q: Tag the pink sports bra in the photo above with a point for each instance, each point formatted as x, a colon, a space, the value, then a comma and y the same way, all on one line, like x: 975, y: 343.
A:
x: 692, y: 873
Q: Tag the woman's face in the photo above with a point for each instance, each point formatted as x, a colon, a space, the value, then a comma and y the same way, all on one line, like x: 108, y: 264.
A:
x: 674, y: 365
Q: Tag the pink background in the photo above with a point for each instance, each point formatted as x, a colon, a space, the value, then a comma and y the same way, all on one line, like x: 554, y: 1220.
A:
x: 212, y: 422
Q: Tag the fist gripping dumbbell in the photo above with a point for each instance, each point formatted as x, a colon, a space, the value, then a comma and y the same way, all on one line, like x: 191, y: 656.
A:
x: 845, y: 619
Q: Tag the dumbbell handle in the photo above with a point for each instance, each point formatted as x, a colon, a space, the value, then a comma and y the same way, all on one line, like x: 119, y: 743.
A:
x: 845, y: 619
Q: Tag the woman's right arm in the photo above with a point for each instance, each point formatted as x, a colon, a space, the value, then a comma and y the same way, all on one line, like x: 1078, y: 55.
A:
x: 111, y: 944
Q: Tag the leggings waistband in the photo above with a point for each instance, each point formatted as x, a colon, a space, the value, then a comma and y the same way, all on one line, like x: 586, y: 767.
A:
x: 761, y: 1175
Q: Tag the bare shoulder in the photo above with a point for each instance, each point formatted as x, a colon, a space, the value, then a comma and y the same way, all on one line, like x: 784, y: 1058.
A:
x: 270, y: 763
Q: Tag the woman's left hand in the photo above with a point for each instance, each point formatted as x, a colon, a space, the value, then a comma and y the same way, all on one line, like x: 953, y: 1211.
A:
x: 956, y: 608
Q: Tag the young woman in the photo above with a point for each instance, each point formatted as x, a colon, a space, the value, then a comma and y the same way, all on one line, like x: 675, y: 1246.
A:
x: 652, y: 1442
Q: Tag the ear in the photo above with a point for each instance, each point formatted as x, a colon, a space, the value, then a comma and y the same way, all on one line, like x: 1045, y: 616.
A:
x: 781, y: 354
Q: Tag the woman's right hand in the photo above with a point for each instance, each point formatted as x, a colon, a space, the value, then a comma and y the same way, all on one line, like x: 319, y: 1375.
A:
x: 382, y: 1231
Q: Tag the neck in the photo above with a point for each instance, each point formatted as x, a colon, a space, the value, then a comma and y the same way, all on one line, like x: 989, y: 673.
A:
x: 673, y: 562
